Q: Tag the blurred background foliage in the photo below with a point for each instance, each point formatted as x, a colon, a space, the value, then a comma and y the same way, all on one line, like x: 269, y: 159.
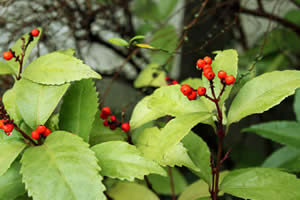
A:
x: 177, y: 32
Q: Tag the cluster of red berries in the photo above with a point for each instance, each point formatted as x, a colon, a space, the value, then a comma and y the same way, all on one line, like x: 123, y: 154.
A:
x: 171, y: 81
x: 8, y: 55
x: 190, y: 93
x: 6, y: 126
x: 205, y: 65
x: 111, y: 120
x: 40, y: 130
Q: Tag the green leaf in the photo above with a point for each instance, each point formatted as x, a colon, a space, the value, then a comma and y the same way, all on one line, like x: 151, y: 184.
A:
x: 166, y: 8
x: 200, y: 155
x: 138, y: 37
x: 11, y: 185
x: 17, y: 48
x: 10, y: 104
x: 143, y: 114
x: 161, y: 184
x: 297, y: 104
x: 164, y: 145
x: 58, y: 68
x: 283, y: 132
x: 9, y: 151
x: 146, y: 9
x: 121, y: 160
x: 293, y: 16
x: 262, y: 93
x: 193, y: 82
x: 79, y: 108
x: 261, y: 184
x: 69, y: 163
x: 131, y: 191
x: 118, y: 41
x: 5, y: 69
x: 152, y: 75
x: 23, y: 197
x: 286, y: 158
x: 100, y: 133
x: 36, y: 102
x: 68, y: 52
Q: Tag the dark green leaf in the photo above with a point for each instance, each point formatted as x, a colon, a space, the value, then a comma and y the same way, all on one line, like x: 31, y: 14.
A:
x: 297, y: 104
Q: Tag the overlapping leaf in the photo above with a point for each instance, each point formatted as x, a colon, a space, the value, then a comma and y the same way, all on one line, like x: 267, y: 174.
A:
x: 36, y: 102
x: 262, y: 93
x: 151, y: 76
x: 79, y: 107
x: 58, y: 68
x: 5, y: 69
x: 10, y: 104
x: 70, y: 165
x: 121, y: 160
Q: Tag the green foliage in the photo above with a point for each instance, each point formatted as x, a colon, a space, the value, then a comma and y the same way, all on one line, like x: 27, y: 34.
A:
x: 135, y: 38
x: 79, y: 108
x: 121, y: 160
x: 262, y: 93
x: 131, y: 191
x: 161, y: 184
x: 57, y: 68
x: 152, y: 75
x: 11, y: 184
x: 283, y: 132
x: 293, y: 16
x: 261, y: 184
x: 193, y: 82
x: 286, y: 158
x: 200, y: 155
x: 70, y: 164
x: 194, y: 191
x: 119, y: 42
x: 36, y: 102
x: 17, y: 48
x: 297, y: 104
x: 9, y: 151
x: 5, y: 69
x: 10, y: 101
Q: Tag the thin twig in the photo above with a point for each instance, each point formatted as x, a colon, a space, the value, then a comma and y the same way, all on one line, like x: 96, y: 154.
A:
x: 172, y: 183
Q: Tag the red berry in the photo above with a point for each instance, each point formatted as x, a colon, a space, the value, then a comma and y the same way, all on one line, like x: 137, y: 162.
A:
x: 209, y: 74
x: 8, y: 128
x: 106, y: 110
x: 105, y: 123
x: 103, y: 116
x: 201, y: 91
x: 2, y: 123
x: 112, y: 126
x: 8, y: 55
x: 174, y: 82
x: 229, y: 80
x: 186, y: 89
x: 200, y: 63
x: 207, y: 67
x: 35, y: 32
x: 167, y: 78
x: 125, y: 127
x: 47, y: 132
x: 207, y: 60
x: 222, y: 74
x: 35, y: 135
x: 193, y: 95
x: 113, y: 118
x: 41, y: 129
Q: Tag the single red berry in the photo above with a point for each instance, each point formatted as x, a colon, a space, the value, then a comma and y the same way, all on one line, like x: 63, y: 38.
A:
x: 167, y: 78
x: 174, y: 82
x: 125, y: 127
x: 103, y: 116
x: 113, y: 118
x: 229, y: 80
x: 2, y: 123
x: 169, y: 83
x: 112, y: 126
x: 8, y: 128
x: 193, y: 95
x: 41, y: 129
x: 8, y: 55
x: 209, y: 74
x: 106, y: 110
x: 47, y: 132
x: 207, y: 60
x: 105, y: 123
x: 207, y: 67
x: 201, y: 91
x: 222, y: 74
x: 186, y: 89
x: 200, y: 63
x: 35, y: 135
x: 35, y: 32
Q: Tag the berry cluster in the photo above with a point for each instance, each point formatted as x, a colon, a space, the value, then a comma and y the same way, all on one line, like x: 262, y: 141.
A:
x: 111, y: 120
x: 8, y: 55
x: 171, y: 81
x: 205, y: 65
x: 6, y: 126
x: 40, y: 130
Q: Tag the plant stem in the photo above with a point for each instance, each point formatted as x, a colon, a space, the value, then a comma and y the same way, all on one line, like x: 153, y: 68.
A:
x: 172, y: 183
x: 26, y: 137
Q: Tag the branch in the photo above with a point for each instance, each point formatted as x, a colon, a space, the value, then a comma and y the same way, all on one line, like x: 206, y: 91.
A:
x: 269, y: 16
